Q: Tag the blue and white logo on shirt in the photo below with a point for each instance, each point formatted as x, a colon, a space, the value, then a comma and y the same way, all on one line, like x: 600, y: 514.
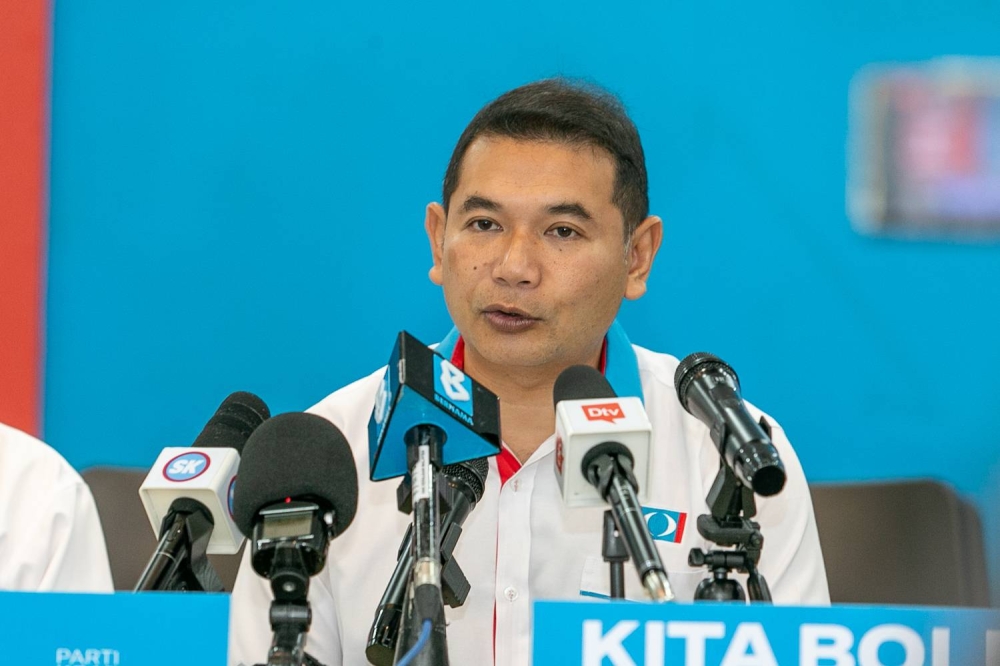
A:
x: 186, y: 466
x: 664, y: 524
x: 454, y: 386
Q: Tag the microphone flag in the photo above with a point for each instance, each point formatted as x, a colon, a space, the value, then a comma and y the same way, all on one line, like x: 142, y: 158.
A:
x: 422, y: 387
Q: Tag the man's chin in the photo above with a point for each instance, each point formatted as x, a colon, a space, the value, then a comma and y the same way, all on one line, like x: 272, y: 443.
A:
x: 509, y: 352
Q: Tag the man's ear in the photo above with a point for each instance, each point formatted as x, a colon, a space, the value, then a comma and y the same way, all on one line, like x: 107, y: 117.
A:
x: 434, y: 225
x: 642, y: 250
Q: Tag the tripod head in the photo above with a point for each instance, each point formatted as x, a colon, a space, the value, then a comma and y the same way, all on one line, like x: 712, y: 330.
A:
x: 732, y: 505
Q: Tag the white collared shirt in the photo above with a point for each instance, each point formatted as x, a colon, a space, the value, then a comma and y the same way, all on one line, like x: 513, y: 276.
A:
x: 521, y: 544
x: 50, y: 534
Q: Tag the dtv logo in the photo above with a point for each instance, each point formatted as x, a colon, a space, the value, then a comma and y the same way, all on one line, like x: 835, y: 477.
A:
x: 609, y: 412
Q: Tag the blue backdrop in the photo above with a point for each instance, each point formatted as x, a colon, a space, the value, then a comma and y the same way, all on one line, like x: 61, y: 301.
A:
x: 237, y: 196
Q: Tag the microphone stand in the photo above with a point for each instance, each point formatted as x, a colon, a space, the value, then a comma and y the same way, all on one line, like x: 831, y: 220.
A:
x: 424, y: 602
x: 292, y: 563
x: 180, y: 563
x: 615, y: 553
x: 290, y: 613
x: 608, y: 467
x: 732, y: 505
x: 455, y: 587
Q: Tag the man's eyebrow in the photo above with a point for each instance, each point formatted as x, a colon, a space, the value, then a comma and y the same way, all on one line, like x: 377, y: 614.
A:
x: 476, y: 202
x: 571, y: 209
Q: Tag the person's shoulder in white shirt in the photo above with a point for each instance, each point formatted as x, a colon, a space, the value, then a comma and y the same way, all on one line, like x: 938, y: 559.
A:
x: 50, y: 533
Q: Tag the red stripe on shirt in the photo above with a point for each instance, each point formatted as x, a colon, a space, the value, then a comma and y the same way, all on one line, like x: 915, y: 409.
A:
x: 507, y: 462
x: 680, y: 527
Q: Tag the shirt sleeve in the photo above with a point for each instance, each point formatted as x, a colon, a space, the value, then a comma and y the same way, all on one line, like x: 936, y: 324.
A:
x: 62, y: 547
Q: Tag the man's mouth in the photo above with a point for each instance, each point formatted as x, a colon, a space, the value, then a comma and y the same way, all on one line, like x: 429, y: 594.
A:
x: 508, y: 319
x: 509, y: 311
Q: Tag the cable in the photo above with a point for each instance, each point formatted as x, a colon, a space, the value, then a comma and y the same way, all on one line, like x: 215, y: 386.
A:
x: 425, y: 634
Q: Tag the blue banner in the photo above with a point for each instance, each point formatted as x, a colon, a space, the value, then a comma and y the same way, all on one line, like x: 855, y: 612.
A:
x: 126, y: 629
x: 636, y: 634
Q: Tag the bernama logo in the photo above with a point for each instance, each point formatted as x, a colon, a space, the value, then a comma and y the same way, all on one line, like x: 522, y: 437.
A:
x: 454, y: 383
x: 87, y: 657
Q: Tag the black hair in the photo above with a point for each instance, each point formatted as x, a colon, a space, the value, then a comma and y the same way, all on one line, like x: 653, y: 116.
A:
x: 565, y: 111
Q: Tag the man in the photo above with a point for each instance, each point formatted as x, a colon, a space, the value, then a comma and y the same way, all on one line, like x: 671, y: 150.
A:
x: 542, y: 231
x: 50, y: 534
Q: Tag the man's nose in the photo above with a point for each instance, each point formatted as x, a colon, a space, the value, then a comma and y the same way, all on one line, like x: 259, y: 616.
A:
x: 519, y: 265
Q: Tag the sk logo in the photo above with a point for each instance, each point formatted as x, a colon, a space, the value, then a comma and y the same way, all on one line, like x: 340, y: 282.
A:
x: 186, y: 466
x: 665, y: 525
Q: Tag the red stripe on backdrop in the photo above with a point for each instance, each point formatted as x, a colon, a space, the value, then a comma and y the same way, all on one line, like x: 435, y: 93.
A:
x: 24, y: 50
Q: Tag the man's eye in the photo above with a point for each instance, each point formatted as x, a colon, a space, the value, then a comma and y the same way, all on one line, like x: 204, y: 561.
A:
x: 483, y: 225
x: 565, y: 232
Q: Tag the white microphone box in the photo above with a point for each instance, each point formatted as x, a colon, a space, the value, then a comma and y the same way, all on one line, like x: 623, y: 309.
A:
x: 582, y: 425
x: 206, y: 475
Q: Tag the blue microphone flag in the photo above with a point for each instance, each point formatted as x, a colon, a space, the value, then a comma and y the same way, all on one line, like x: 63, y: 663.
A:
x: 422, y: 387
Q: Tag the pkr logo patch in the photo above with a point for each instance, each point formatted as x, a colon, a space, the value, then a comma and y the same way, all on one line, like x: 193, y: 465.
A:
x: 186, y: 466
x: 609, y: 411
x: 665, y: 525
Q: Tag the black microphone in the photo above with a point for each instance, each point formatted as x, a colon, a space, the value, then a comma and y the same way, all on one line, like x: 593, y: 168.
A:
x: 297, y: 490
x: 608, y: 466
x: 186, y: 496
x: 710, y: 390
x: 295, y: 459
x: 466, y: 482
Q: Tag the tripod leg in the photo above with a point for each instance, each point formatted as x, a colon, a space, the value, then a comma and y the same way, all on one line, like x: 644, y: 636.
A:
x: 617, y: 580
x: 757, y: 587
x: 615, y: 554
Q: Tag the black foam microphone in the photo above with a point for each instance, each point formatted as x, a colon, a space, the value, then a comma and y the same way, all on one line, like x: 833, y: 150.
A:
x: 710, y: 390
x: 297, y: 490
x: 294, y: 460
x: 465, y: 482
x: 607, y: 465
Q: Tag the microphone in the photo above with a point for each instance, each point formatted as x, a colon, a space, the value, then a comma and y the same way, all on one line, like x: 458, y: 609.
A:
x: 295, y: 466
x: 427, y: 414
x: 298, y: 490
x: 188, y: 498
x: 420, y: 388
x: 710, y: 390
x: 466, y: 482
x: 607, y: 439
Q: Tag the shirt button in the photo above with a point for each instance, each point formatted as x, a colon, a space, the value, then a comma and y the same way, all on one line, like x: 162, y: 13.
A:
x: 516, y: 484
x: 510, y: 593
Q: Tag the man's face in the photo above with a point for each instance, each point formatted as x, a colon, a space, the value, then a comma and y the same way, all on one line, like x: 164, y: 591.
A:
x: 532, y: 254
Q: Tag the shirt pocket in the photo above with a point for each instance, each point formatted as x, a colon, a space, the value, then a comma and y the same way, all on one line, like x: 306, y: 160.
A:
x: 595, y: 582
